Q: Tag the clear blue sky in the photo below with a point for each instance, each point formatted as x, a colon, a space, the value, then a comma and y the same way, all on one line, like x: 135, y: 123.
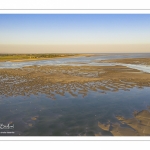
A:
x: 74, y: 29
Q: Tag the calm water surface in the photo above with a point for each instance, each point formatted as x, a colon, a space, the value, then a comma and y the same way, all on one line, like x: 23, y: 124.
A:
x: 69, y: 115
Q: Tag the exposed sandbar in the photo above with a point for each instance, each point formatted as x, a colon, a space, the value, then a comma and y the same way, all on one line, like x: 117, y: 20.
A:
x: 141, y: 61
x: 52, y: 80
x: 139, y: 125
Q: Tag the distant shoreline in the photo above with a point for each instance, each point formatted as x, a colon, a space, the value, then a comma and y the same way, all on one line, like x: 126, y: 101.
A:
x: 35, y: 59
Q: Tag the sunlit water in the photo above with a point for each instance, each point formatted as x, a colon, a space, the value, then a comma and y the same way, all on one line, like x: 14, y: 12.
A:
x: 68, y: 115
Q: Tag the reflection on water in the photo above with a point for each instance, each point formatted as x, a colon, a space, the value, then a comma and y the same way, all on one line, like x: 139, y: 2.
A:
x: 72, y: 107
x: 68, y: 115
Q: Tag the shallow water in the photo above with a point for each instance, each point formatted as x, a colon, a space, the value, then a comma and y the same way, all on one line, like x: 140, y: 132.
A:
x: 71, y: 61
x: 78, y: 61
x: 143, y: 68
x: 68, y: 115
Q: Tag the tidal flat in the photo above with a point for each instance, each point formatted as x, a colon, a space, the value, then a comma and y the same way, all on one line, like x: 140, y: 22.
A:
x: 52, y: 80
x: 76, y: 100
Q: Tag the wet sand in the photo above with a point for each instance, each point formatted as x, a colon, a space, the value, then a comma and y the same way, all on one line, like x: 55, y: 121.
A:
x: 141, y: 61
x: 51, y: 80
x: 139, y: 125
x: 79, y: 80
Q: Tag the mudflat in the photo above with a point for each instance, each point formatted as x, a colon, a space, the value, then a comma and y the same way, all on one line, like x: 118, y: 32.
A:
x: 51, y: 80
x: 59, y: 79
x: 139, y: 125
x: 143, y: 61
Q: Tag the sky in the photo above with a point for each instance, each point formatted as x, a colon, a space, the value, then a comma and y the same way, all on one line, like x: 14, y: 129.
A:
x: 74, y: 29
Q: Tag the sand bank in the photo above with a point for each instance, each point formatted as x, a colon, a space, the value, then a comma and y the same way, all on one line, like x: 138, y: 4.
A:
x: 140, y: 61
x: 52, y: 80
x: 139, y: 125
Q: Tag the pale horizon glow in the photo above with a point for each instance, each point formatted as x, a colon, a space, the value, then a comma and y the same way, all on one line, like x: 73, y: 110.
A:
x: 118, y: 48
x: 74, y: 33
